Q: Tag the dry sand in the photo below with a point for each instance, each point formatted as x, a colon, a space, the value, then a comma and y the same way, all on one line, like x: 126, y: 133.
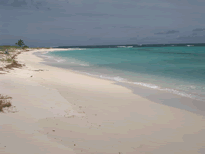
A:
x: 59, y: 111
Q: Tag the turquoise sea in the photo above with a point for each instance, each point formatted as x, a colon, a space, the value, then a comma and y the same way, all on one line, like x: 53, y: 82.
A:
x: 178, y: 70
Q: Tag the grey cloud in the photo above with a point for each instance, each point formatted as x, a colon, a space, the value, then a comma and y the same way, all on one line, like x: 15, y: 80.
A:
x: 19, y: 3
x: 41, y: 29
x: 191, y: 37
x: 4, y: 31
x: 61, y: 28
x: 134, y: 38
x: 93, y: 20
x: 160, y: 33
x: 198, y: 29
x: 161, y: 4
x: 3, y: 2
x: 14, y: 3
x: 38, y: 28
x: 94, y: 39
x: 24, y: 3
x: 5, y: 25
x: 194, y: 34
x: 124, y: 6
x: 97, y: 28
x: 39, y: 3
x: 168, y: 32
x: 127, y: 27
x: 92, y: 14
x: 147, y: 38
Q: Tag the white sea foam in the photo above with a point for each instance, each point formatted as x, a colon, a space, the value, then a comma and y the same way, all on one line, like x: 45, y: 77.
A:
x: 60, y: 50
x: 124, y: 46
x: 78, y: 63
x: 119, y: 79
x: 86, y: 73
x: 121, y: 46
x: 53, y: 58
x: 165, y: 89
x: 81, y: 48
x: 60, y: 60
x: 178, y: 92
x: 192, y: 88
x: 45, y: 52
x: 91, y: 74
x: 47, y: 57
x: 147, y: 85
x: 84, y: 65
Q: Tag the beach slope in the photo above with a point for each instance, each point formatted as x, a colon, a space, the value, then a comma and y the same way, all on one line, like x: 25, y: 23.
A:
x: 60, y: 111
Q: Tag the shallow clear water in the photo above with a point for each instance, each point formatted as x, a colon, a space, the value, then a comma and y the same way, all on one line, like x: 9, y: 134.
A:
x: 179, y: 70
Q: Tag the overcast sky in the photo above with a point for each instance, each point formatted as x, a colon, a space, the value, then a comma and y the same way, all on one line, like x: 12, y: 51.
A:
x: 99, y: 22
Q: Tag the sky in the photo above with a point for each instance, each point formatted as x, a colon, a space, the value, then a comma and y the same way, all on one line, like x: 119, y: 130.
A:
x: 101, y: 22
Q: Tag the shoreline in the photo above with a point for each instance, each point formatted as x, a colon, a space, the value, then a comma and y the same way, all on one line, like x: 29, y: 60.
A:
x: 154, y: 95
x: 106, y: 73
x: 66, y: 112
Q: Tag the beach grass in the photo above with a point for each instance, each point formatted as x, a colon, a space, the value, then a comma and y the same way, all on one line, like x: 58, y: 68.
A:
x: 10, y: 59
x: 4, y: 102
x: 13, y: 48
x: 7, y: 59
x: 14, y: 64
x: 4, y: 47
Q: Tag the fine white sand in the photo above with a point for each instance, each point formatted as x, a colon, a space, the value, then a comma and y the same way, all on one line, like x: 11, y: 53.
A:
x: 59, y: 111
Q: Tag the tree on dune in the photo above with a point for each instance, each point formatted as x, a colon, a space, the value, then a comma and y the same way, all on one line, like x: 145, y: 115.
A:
x: 20, y: 43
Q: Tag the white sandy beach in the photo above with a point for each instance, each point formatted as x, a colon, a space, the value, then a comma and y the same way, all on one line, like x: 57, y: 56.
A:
x: 59, y: 111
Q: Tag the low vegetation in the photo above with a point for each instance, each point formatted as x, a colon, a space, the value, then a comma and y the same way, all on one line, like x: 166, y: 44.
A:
x: 4, y: 102
x: 24, y: 47
x: 7, y: 59
x: 14, y: 64
x: 10, y: 48
x: 8, y: 54
x: 10, y: 61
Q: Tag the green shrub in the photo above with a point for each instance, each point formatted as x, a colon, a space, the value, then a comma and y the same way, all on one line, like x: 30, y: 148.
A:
x: 4, y: 102
x: 9, y: 60
x: 24, y: 47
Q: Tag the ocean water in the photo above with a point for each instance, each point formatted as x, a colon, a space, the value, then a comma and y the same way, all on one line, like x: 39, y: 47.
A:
x: 178, y: 70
